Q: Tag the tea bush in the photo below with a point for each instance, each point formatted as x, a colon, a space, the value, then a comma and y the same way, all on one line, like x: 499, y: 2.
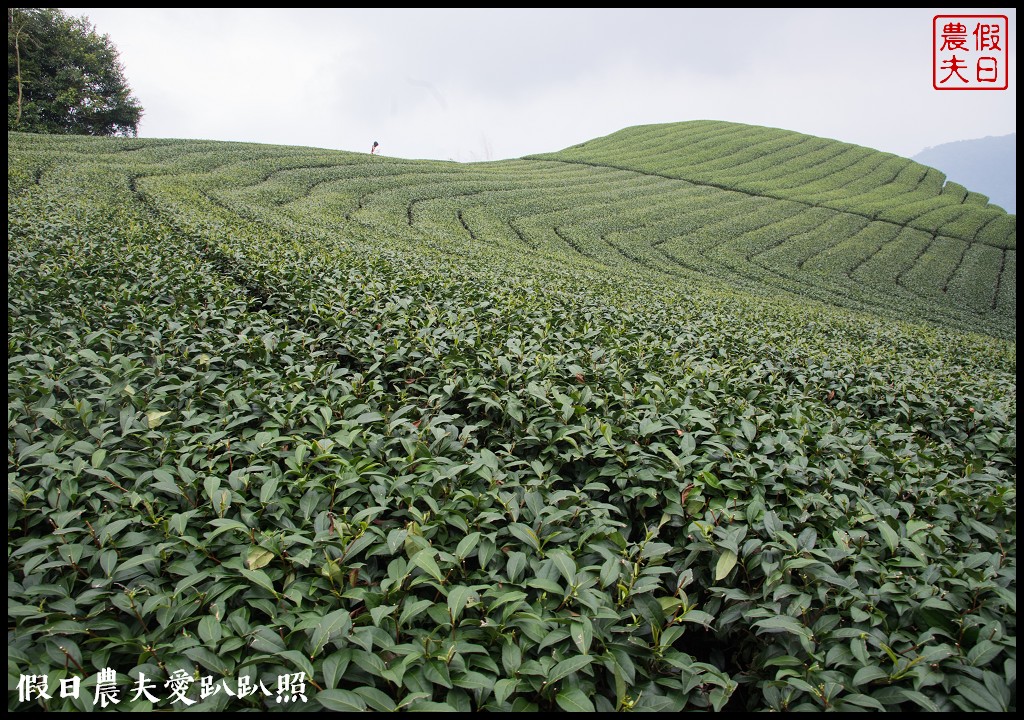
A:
x: 512, y: 436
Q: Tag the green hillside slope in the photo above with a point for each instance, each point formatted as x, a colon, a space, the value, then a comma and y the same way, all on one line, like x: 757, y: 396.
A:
x: 761, y: 209
x: 532, y: 435
x: 825, y: 219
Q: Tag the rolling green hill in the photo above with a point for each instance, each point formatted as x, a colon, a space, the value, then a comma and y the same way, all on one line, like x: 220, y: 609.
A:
x: 694, y: 416
x: 838, y: 222
x: 760, y: 209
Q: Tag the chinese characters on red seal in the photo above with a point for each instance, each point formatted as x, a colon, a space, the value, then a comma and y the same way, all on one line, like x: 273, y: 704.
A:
x: 970, y: 52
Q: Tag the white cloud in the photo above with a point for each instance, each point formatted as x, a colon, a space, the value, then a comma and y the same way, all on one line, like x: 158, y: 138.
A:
x: 490, y: 84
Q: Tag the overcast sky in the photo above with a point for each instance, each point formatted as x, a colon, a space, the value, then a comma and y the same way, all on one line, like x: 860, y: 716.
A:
x: 491, y: 84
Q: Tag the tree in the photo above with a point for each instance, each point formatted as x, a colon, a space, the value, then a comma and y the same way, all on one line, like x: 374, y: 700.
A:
x: 65, y: 78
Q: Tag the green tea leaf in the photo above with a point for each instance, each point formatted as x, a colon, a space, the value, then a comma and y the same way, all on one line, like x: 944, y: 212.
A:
x: 783, y: 623
x: 567, y: 667
x: 458, y: 596
x: 334, y: 623
x: 726, y: 562
x: 260, y: 578
x: 155, y: 418
x: 574, y: 700
x: 891, y: 537
x: 504, y: 688
x: 565, y: 564
x: 425, y: 559
x: 258, y: 557
x: 341, y: 700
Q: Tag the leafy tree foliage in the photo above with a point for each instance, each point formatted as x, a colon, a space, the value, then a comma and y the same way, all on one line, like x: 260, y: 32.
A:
x: 65, y: 78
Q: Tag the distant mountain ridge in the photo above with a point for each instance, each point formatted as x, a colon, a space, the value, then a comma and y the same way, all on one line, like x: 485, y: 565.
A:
x: 987, y: 165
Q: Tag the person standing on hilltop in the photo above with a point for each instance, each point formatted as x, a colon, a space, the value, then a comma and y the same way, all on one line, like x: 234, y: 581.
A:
x: 373, y: 148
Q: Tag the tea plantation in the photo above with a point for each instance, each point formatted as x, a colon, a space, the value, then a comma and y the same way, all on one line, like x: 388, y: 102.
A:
x: 693, y: 416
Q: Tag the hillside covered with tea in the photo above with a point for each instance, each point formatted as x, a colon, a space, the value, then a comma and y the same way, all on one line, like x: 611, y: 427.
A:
x: 693, y: 416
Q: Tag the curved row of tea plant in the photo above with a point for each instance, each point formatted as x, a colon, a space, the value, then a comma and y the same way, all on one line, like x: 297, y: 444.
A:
x: 786, y: 164
x: 279, y: 410
x: 657, y: 225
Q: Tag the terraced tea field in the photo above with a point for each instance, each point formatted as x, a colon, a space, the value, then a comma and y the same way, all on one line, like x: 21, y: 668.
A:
x: 693, y: 416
